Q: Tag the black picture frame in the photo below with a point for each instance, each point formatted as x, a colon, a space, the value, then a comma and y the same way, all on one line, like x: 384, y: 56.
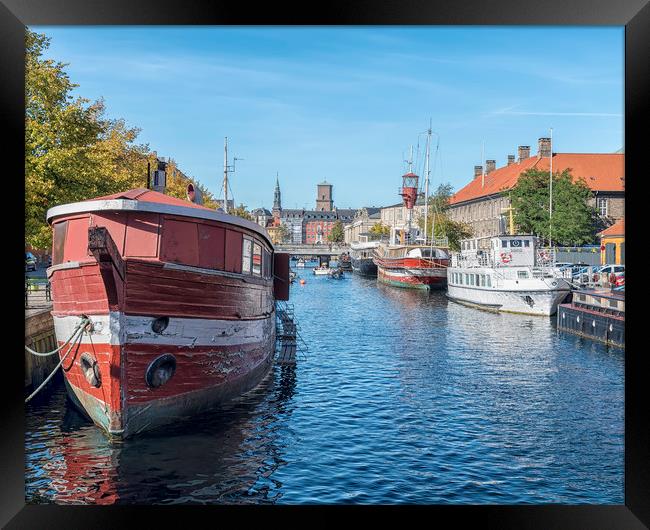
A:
x: 633, y: 14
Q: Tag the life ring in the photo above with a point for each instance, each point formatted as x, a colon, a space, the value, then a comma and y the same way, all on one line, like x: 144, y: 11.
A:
x: 543, y: 255
x: 506, y: 257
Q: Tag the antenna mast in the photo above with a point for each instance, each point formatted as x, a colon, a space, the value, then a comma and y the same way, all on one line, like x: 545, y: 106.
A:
x: 225, y: 175
x: 426, y: 184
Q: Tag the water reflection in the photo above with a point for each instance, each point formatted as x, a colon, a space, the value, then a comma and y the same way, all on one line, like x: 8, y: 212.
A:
x: 226, y: 455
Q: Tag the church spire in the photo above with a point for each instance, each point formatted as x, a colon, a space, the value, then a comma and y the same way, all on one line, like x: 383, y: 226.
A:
x: 277, y: 201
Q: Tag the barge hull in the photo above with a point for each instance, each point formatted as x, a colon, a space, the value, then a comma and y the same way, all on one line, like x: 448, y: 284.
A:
x: 605, y: 328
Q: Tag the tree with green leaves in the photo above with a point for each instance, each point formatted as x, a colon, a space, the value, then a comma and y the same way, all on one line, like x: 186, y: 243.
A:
x: 379, y: 230
x: 72, y: 151
x: 283, y: 233
x: 177, y: 182
x: 241, y: 211
x: 336, y: 235
x: 574, y: 220
x: 439, y: 220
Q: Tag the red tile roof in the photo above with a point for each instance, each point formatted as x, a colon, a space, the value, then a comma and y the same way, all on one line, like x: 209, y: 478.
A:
x: 601, y: 172
x: 617, y: 229
x: 145, y: 195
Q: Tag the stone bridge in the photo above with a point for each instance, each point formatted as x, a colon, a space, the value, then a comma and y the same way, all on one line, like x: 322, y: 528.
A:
x: 312, y: 250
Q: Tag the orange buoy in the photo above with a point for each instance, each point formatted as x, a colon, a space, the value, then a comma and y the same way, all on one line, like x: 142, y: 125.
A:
x: 302, y: 282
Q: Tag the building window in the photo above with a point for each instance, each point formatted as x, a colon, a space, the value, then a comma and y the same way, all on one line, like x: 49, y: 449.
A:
x: 602, y: 207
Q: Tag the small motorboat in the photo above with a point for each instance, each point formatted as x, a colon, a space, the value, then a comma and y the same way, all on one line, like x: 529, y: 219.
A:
x: 321, y: 271
x: 292, y: 276
x: 337, y: 274
x: 301, y: 263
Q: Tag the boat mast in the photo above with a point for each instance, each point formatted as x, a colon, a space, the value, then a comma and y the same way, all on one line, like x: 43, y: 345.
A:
x: 550, y: 194
x: 426, y: 184
x: 225, y: 175
x: 483, y: 165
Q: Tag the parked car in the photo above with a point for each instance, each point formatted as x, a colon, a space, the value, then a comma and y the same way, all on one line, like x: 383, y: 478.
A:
x: 30, y: 262
x: 603, y: 274
x: 620, y: 279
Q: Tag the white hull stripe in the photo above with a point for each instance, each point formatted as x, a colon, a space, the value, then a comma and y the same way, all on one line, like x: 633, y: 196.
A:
x: 406, y: 273
x: 118, y: 328
x: 532, y: 302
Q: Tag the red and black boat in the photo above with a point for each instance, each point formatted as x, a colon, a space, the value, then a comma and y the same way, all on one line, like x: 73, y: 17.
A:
x: 408, y: 260
x: 180, y: 300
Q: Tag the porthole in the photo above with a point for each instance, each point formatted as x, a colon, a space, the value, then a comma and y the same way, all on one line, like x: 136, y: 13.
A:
x: 160, y: 324
x: 160, y: 370
x: 90, y: 369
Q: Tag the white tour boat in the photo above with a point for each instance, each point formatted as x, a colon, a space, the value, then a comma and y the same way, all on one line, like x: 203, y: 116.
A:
x: 507, y: 273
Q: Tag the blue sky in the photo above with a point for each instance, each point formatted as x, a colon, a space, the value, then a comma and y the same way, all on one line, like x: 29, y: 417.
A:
x: 345, y: 103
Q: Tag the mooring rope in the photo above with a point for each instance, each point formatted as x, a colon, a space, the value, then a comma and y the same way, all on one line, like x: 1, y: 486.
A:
x: 82, y: 323
x: 78, y: 333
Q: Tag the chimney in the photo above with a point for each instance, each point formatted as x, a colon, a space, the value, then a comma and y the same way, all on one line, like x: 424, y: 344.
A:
x: 478, y: 171
x: 524, y: 152
x: 544, y: 147
x: 511, y: 159
x: 490, y: 166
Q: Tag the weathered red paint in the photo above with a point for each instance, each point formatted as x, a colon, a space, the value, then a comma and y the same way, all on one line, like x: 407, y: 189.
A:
x: 281, y: 276
x: 131, y: 278
x: 142, y: 235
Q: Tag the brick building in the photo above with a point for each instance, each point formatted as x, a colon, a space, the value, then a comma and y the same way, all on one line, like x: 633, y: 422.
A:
x: 481, y: 203
x: 306, y: 226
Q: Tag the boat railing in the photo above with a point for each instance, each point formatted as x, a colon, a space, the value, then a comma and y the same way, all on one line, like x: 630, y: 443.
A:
x: 545, y: 257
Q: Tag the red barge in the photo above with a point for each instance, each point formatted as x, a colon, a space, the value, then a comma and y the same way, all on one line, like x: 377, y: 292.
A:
x: 181, y: 302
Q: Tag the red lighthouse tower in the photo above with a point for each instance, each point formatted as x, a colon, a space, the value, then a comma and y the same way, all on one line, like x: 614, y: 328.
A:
x: 409, y: 191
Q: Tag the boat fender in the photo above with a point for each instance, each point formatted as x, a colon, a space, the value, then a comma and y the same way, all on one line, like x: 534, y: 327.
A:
x: 612, y: 278
x: 90, y: 369
x: 160, y: 370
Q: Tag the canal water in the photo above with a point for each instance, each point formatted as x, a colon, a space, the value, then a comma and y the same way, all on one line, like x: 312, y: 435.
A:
x: 402, y: 397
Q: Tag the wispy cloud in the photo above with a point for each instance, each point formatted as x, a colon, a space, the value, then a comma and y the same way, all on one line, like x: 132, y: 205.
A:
x: 534, y: 113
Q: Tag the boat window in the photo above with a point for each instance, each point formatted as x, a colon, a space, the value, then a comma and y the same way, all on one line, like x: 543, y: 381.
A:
x: 504, y: 243
x: 515, y: 243
x: 247, y: 251
x: 257, y: 259
x: 526, y: 243
x: 522, y: 274
x: 466, y: 279
x: 613, y: 303
x: 482, y: 280
x: 488, y: 281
